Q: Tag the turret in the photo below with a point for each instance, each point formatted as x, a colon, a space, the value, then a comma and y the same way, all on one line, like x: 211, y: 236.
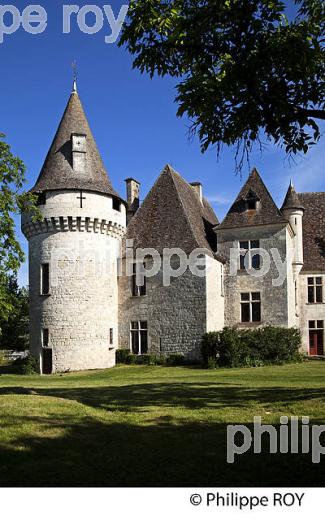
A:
x: 73, y: 252
x: 293, y: 210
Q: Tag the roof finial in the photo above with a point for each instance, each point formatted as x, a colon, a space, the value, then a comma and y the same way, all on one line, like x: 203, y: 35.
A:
x: 75, y: 75
x: 291, y: 183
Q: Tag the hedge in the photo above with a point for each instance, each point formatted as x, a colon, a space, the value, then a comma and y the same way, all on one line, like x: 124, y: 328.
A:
x: 124, y: 356
x: 232, y: 347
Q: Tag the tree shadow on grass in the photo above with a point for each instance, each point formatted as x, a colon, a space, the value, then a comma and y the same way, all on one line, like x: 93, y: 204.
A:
x: 92, y: 453
x: 137, y: 397
x: 71, y: 449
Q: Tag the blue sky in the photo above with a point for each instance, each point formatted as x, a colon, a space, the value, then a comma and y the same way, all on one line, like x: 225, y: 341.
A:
x: 133, y: 118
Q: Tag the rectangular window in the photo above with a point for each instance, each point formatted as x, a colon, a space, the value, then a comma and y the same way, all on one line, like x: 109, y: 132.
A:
x: 250, y: 304
x: 139, y: 337
x: 249, y: 254
x: 116, y: 204
x: 45, y: 337
x: 138, y: 290
x: 111, y: 336
x: 45, y: 279
x: 315, y: 289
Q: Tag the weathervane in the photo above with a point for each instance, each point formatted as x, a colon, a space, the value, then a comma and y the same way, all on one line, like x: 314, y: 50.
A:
x: 75, y: 75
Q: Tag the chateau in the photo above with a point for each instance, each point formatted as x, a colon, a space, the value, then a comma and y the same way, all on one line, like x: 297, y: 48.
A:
x: 260, y: 266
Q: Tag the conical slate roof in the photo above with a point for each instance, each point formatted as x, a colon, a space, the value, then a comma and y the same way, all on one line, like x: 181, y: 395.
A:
x: 57, y: 172
x: 173, y: 216
x: 266, y: 212
x: 292, y: 200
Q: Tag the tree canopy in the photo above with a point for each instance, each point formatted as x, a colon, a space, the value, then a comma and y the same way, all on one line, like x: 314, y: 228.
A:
x: 15, y: 327
x: 246, y: 72
x: 12, y: 201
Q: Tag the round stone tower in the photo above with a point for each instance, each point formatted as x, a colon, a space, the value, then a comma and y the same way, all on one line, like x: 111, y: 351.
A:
x: 73, y: 252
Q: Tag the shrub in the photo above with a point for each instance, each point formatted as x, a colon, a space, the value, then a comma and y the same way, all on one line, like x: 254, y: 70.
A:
x: 148, y: 359
x: 26, y: 366
x: 175, y: 360
x: 236, y: 348
x: 122, y: 356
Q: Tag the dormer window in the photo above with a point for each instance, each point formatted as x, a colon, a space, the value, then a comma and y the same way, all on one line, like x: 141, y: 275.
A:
x: 251, y: 201
x: 251, y: 204
x: 79, y: 151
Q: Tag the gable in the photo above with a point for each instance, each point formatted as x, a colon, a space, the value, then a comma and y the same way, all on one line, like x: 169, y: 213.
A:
x: 266, y: 211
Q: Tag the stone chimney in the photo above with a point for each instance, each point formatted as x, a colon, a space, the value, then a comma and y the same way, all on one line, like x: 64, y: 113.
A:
x: 199, y: 189
x: 133, y: 197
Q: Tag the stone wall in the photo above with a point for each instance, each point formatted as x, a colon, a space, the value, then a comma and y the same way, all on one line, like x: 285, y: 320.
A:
x: 274, y: 300
x: 177, y: 315
x: 309, y: 311
x: 82, y: 305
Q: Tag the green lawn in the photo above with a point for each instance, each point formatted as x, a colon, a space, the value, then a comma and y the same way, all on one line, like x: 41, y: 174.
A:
x: 153, y: 426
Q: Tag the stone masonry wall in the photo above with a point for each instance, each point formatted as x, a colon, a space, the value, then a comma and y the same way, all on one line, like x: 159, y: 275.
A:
x: 274, y: 306
x: 176, y: 315
x: 82, y: 305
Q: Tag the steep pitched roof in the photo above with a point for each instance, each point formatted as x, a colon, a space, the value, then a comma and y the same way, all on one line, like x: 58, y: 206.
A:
x: 313, y: 224
x: 57, y: 172
x: 292, y: 200
x: 172, y: 215
x: 266, y: 213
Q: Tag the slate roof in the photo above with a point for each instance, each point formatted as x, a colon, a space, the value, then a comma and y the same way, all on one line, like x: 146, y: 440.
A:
x: 313, y: 224
x: 266, y: 213
x: 57, y: 172
x: 173, y: 216
x: 292, y: 200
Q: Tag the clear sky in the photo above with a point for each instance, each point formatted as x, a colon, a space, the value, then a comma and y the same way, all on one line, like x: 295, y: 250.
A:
x: 133, y: 118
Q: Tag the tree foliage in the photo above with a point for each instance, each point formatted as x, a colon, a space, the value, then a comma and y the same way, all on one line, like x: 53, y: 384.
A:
x: 245, y: 71
x: 15, y: 327
x: 12, y: 201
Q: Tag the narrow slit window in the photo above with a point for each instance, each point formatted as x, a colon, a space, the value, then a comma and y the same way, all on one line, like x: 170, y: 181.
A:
x: 111, y: 336
x: 138, y: 289
x: 45, y: 279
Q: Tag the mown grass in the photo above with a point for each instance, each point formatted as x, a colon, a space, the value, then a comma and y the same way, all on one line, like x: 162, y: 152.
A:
x: 153, y: 426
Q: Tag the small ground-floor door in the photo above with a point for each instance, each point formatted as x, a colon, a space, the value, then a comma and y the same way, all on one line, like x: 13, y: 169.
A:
x: 47, y: 361
x: 316, y: 338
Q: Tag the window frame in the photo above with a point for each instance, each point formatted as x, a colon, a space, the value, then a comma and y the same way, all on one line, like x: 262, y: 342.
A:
x: 248, y: 251
x: 137, y: 326
x: 45, y: 337
x: 251, y: 302
x: 313, y: 286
